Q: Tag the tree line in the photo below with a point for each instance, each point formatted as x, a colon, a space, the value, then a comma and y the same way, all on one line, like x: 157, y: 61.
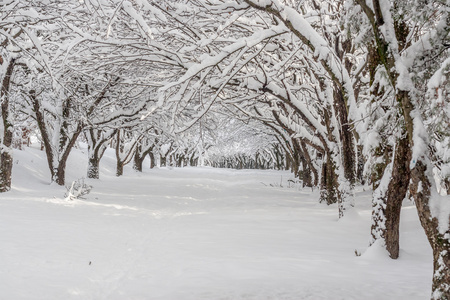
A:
x: 344, y: 92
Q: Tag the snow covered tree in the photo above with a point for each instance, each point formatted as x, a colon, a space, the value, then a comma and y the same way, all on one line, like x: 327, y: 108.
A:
x: 6, y: 127
x: 324, y: 84
x: 97, y: 140
x: 20, y: 44
x: 125, y: 145
x: 115, y: 105
x: 266, y: 58
x: 144, y: 148
x: 411, y: 41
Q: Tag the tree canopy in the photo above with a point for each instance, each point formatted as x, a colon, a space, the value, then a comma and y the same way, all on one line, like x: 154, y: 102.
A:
x: 339, y: 92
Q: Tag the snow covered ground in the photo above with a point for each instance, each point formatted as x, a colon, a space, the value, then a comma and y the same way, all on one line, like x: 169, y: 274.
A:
x: 193, y: 234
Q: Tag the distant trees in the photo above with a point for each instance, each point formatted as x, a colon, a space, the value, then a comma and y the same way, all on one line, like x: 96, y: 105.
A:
x: 239, y: 145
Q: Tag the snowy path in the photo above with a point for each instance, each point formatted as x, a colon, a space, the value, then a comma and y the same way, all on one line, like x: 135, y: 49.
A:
x: 193, y: 234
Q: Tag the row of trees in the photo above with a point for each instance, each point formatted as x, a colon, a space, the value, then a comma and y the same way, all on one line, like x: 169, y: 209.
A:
x: 342, y: 91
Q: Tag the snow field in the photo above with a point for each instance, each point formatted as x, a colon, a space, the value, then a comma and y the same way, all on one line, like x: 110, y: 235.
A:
x: 192, y: 234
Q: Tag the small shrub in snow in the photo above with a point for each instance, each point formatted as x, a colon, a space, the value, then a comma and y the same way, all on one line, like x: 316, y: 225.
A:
x: 77, y: 190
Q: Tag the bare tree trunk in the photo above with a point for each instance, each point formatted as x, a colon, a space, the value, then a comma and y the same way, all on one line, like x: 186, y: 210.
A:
x: 162, y: 161
x: 305, y: 173
x: 152, y: 160
x: 137, y: 162
x: 420, y: 190
x: 122, y: 161
x: 388, y: 204
x: 328, y: 184
x: 119, y: 161
x: 397, y: 189
x: 93, y: 167
x: 346, y: 137
x: 93, y: 171
x: 119, y: 168
x: 97, y: 139
x: 360, y: 165
x: 288, y: 162
x: 60, y: 175
x: 311, y: 167
x: 66, y: 143
x: 139, y: 157
x: 6, y: 159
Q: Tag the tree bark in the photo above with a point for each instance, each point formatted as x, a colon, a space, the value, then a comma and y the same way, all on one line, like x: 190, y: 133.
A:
x: 93, y: 167
x: 308, y: 161
x: 137, y: 162
x: 66, y: 143
x: 97, y: 139
x: 386, y: 215
x: 6, y: 158
x: 421, y: 174
x: 397, y: 190
x: 162, y: 161
x: 95, y: 155
x: 346, y: 137
x: 59, y: 174
x: 139, y: 157
x: 119, y: 168
x: 420, y: 190
x: 152, y: 160
x: 328, y: 183
x: 121, y: 162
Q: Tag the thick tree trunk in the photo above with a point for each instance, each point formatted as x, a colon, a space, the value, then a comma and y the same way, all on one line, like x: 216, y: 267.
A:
x: 162, y: 161
x: 420, y: 186
x: 305, y: 173
x: 329, y: 182
x: 420, y: 190
x: 6, y: 159
x: 119, y: 148
x: 437, y: 231
x: 95, y: 156
x: 152, y: 160
x: 288, y: 161
x: 93, y: 167
x: 60, y: 173
x: 387, y: 204
x: 137, y: 161
x: 311, y: 167
x: 97, y: 139
x: 398, y: 186
x: 296, y: 156
x: 6, y: 163
x: 119, y: 168
x: 346, y: 137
